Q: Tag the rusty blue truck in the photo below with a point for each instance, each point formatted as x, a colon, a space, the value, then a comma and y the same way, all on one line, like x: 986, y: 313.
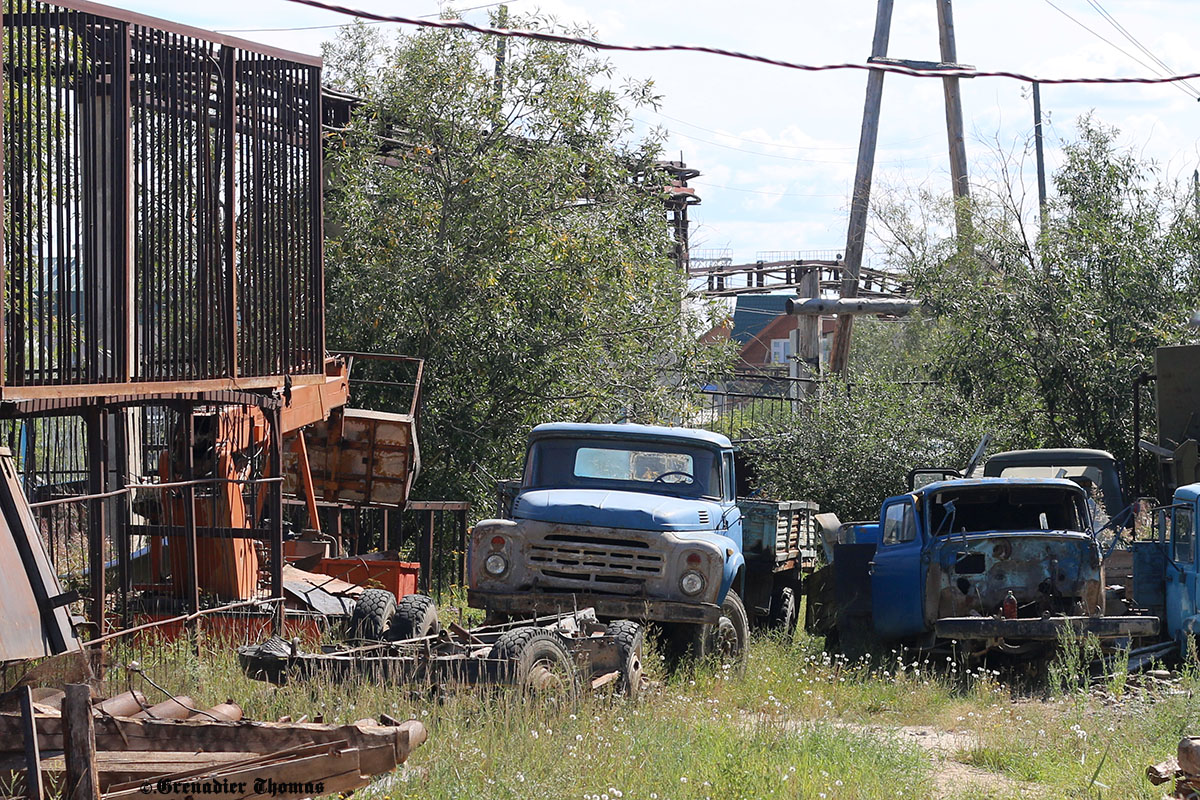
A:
x: 1007, y: 564
x: 643, y: 522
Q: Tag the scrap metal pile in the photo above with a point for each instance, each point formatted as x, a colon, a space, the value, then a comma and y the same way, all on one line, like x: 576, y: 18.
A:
x: 1182, y: 772
x: 135, y: 748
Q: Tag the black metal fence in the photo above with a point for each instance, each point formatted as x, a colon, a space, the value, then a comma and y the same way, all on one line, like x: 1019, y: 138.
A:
x: 163, y: 201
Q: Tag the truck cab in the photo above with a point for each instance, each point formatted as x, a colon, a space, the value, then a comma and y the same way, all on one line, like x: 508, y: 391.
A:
x: 635, y: 521
x: 990, y: 562
x: 1167, y: 571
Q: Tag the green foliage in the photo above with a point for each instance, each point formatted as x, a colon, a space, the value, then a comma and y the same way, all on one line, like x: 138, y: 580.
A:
x: 514, y: 238
x: 1052, y: 331
x: 852, y: 445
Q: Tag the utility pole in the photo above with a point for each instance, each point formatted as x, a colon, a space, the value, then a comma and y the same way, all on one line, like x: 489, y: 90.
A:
x: 806, y: 338
x: 1041, y: 159
x: 862, y: 186
x: 954, y: 116
x: 501, y: 56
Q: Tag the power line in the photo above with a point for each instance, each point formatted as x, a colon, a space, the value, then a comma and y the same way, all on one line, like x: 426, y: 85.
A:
x: 1121, y: 50
x: 790, y: 158
x: 760, y: 191
x: 594, y: 44
x: 348, y: 24
x: 778, y: 144
x: 1121, y: 29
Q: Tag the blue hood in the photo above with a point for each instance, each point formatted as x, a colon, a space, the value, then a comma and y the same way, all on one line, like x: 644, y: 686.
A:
x: 610, y: 509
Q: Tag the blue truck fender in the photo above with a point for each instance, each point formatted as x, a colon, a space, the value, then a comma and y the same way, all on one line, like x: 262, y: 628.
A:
x: 733, y: 566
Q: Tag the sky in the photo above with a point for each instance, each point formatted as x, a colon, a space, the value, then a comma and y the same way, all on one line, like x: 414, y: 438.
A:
x: 777, y: 147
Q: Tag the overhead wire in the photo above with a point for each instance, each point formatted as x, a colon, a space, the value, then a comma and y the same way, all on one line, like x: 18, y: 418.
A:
x: 348, y: 24
x: 780, y: 144
x: 595, y: 44
x: 1176, y: 80
x: 790, y: 158
x: 1121, y: 29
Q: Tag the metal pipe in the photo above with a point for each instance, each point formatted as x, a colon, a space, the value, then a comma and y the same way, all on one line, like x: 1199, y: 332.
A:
x: 817, y: 306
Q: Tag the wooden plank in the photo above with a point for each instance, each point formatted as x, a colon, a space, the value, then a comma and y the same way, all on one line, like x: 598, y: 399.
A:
x: 79, y: 739
x: 33, y: 757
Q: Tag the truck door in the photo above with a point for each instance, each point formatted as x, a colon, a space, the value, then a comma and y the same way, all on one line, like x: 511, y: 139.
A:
x: 897, y: 576
x: 1181, y: 577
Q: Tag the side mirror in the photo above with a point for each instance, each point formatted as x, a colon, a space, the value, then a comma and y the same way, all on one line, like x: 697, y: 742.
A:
x: 1160, y: 526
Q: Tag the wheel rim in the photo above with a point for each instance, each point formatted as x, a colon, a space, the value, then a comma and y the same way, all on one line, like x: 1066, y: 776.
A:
x: 725, y: 639
x: 546, y: 678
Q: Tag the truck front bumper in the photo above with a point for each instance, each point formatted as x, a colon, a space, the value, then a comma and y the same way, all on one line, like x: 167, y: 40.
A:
x: 606, y: 606
x: 1043, y: 629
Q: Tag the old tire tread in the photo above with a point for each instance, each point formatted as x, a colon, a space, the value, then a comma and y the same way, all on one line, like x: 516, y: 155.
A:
x: 630, y: 638
x: 372, y: 614
x: 416, y: 616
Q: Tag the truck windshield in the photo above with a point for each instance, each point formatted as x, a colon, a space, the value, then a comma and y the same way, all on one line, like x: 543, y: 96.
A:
x: 1007, y: 508
x: 583, y: 463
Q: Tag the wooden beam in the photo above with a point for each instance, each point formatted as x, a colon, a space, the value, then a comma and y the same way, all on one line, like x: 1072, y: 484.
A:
x: 79, y: 742
x: 860, y: 202
x: 954, y: 116
x: 33, y: 757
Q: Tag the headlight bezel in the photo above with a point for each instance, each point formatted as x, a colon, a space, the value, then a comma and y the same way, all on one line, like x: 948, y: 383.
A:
x: 493, y: 559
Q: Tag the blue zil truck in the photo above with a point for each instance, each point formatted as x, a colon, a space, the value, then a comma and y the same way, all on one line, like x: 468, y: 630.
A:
x: 644, y: 522
x: 1002, y: 564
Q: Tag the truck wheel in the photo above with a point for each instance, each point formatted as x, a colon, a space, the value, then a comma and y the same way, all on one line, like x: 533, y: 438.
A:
x: 538, y: 661
x: 416, y: 616
x: 784, y: 612
x: 729, y: 639
x: 372, y: 614
x: 630, y: 638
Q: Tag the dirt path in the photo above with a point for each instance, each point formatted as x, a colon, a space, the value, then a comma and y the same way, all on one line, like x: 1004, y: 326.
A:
x: 951, y: 776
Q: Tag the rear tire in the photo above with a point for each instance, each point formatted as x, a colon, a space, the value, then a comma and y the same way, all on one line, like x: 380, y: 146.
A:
x: 372, y: 614
x: 416, y: 617
x: 630, y: 638
x: 784, y: 612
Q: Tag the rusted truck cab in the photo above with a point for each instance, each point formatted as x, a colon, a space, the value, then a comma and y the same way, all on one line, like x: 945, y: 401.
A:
x: 993, y: 563
x: 635, y: 521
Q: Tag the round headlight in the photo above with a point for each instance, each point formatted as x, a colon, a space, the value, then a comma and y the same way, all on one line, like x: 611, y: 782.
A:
x: 496, y: 564
x: 692, y: 582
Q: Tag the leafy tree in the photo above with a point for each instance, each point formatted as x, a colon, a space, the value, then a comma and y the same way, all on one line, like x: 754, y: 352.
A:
x: 502, y: 224
x: 851, y: 446
x: 1051, y: 331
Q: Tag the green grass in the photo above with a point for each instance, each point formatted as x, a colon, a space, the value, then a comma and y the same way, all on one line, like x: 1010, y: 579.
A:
x: 796, y: 724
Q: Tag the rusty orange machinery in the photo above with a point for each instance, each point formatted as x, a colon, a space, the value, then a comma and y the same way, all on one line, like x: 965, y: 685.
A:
x: 360, y: 457
x: 228, y: 566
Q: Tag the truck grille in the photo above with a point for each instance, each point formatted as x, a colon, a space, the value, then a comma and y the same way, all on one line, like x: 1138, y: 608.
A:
x: 585, y: 566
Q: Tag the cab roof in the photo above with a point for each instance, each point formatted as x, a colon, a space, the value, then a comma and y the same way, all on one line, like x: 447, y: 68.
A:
x: 1188, y: 493
x: 967, y: 483
x: 632, y: 430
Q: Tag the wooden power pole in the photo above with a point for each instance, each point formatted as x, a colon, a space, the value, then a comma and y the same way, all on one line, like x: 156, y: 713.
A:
x: 954, y: 115
x: 860, y: 202
x: 1041, y: 158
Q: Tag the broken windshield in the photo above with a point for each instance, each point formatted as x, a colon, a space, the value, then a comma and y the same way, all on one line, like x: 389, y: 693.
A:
x: 978, y: 509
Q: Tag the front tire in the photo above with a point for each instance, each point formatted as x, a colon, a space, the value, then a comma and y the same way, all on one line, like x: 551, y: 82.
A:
x: 729, y: 638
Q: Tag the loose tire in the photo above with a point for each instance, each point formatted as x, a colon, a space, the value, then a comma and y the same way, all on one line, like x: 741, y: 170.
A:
x: 630, y: 639
x: 538, y: 662
x: 785, y: 612
x: 372, y: 614
x: 416, y: 616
